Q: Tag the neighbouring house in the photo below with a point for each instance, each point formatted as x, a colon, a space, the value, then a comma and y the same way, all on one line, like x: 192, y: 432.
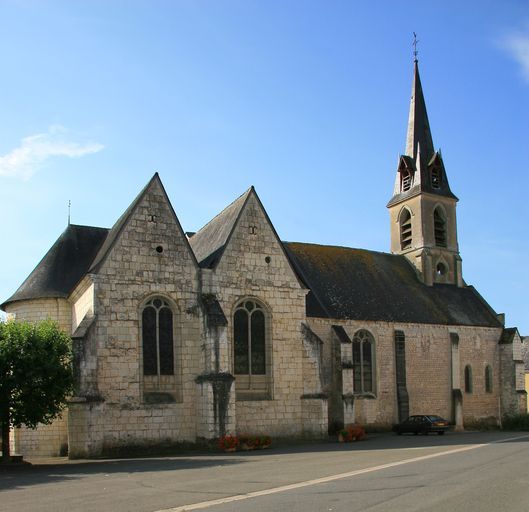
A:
x: 525, y: 357
x: 179, y: 337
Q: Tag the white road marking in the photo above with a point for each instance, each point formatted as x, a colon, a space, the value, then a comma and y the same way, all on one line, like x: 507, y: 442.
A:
x: 330, y: 478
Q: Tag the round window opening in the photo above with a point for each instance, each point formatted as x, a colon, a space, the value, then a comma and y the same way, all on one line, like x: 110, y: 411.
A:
x: 159, y: 249
x: 441, y: 269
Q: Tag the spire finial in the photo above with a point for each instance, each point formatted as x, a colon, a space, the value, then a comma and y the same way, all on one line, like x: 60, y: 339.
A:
x: 69, y: 208
x: 414, y: 44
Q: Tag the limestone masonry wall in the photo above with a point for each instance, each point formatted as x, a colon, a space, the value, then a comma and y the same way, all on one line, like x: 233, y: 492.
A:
x: 254, y: 266
x: 133, y: 271
x: 428, y: 370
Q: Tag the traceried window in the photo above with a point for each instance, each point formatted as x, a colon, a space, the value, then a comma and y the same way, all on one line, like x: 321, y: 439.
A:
x: 363, y: 362
x: 405, y: 180
x: 157, y: 338
x: 160, y: 374
x: 405, y: 229
x: 488, y: 379
x: 439, y: 224
x: 468, y: 379
x: 251, y: 353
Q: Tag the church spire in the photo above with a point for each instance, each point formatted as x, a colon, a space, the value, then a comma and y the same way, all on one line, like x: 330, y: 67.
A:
x: 419, y: 133
x: 423, y: 208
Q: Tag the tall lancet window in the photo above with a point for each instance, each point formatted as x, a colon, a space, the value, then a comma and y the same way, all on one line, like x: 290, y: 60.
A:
x: 363, y: 362
x: 251, y: 353
x: 405, y: 229
x: 157, y: 338
x: 439, y: 225
x: 468, y: 379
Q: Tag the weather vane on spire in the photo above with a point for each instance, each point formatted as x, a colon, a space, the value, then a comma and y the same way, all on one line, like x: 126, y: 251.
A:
x: 415, y: 52
x: 69, y: 208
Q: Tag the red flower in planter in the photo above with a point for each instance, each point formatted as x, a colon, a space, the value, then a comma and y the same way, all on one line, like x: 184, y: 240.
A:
x: 228, y: 442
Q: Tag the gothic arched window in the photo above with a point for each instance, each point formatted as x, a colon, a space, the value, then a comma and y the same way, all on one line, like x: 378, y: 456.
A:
x: 363, y: 362
x: 488, y: 379
x: 439, y: 225
x: 250, y: 348
x: 405, y: 229
x: 157, y: 338
x: 468, y: 379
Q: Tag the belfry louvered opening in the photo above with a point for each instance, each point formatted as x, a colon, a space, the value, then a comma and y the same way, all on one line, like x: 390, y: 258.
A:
x: 405, y: 180
x: 439, y: 222
x: 435, y: 176
x: 405, y: 230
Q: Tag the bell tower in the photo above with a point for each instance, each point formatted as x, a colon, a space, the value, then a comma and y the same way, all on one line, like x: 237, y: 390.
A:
x: 423, y: 208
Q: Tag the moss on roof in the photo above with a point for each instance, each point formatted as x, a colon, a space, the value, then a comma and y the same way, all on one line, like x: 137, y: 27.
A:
x: 358, y: 284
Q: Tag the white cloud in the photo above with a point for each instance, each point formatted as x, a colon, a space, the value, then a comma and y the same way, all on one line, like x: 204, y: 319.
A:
x: 517, y: 44
x: 23, y: 161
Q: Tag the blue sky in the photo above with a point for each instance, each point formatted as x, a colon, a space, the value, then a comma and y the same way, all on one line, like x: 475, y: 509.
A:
x: 305, y: 100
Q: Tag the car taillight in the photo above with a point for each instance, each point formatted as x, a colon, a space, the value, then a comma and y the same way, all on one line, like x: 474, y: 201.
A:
x: 440, y: 423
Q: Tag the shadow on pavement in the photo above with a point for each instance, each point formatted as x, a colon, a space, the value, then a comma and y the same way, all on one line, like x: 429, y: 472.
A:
x: 13, y: 477
x: 49, y: 471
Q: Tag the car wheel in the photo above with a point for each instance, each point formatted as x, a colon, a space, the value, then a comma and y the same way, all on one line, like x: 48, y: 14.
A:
x: 440, y: 433
x: 416, y: 432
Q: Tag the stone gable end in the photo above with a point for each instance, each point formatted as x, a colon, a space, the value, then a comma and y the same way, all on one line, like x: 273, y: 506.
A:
x: 254, y: 252
x: 151, y: 247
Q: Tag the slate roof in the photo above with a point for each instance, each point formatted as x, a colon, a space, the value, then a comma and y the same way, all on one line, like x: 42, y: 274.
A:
x: 420, y: 154
x: 208, y: 243
x: 344, y: 283
x: 63, y: 266
x: 419, y: 134
x: 358, y: 284
x: 507, y: 336
x: 421, y: 180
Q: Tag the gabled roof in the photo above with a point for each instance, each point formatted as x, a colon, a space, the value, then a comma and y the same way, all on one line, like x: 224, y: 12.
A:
x: 508, y: 334
x: 78, y: 251
x: 208, y: 243
x: 63, y: 266
x: 357, y: 284
x: 118, y: 227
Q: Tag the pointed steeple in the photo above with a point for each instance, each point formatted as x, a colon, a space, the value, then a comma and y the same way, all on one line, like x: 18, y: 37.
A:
x: 418, y: 126
x: 423, y: 208
x: 421, y: 168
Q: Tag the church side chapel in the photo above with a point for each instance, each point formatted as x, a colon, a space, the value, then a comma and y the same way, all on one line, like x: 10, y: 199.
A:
x: 182, y: 337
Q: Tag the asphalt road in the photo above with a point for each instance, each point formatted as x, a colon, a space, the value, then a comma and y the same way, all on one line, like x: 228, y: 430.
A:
x: 457, y: 472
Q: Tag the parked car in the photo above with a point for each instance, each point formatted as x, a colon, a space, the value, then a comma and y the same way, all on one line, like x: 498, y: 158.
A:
x: 422, y: 424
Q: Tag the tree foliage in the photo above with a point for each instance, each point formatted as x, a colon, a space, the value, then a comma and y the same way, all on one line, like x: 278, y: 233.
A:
x: 35, y: 374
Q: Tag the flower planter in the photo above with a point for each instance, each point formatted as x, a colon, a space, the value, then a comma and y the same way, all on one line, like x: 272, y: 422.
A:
x: 351, y: 433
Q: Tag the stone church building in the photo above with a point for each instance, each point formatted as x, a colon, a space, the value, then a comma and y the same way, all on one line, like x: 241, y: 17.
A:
x: 180, y: 337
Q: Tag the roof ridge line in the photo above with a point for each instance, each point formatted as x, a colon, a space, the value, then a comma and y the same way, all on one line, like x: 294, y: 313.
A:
x: 224, y: 209
x: 341, y: 247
